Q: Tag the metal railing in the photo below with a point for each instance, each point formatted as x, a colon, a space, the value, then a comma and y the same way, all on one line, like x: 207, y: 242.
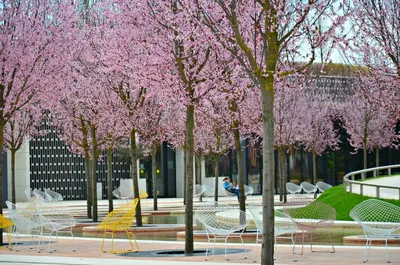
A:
x: 350, y: 180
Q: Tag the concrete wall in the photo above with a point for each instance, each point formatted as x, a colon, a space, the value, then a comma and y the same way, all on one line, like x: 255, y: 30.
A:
x: 22, y: 178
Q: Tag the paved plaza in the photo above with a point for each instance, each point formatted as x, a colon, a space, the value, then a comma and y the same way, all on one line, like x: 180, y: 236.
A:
x: 89, y: 247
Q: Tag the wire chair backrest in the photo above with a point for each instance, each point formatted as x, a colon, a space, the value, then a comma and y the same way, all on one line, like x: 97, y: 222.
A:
x: 41, y: 195
x: 24, y: 218
x: 309, y: 212
x: 308, y: 187
x: 55, y: 196
x: 221, y: 218
x: 208, y: 191
x: 121, y: 218
x: 198, y: 190
x: 377, y: 217
x: 322, y: 186
x: 293, y: 188
x: 29, y: 194
x: 248, y: 190
x: 256, y: 213
x: 284, y: 224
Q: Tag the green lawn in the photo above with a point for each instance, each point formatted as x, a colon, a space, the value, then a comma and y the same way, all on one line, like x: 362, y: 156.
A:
x: 344, y: 201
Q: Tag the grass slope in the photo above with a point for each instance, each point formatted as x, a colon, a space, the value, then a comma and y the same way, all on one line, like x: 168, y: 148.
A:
x: 344, y: 201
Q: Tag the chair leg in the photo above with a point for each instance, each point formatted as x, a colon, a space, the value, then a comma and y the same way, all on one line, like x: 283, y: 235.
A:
x: 129, y: 238
x: 131, y: 234
x: 136, y: 243
x: 330, y: 239
x: 387, y: 256
x: 112, y: 242
x: 294, y: 245
x: 73, y: 238
x: 9, y: 238
x: 208, y: 243
x: 255, y: 248
x: 367, y: 248
x: 302, y: 243
x: 102, y: 245
x: 311, y: 240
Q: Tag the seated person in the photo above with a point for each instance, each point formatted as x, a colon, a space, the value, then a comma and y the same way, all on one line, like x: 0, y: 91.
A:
x: 229, y: 187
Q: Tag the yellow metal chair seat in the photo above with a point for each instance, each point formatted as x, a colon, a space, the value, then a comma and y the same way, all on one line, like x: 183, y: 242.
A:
x: 120, y: 220
x: 6, y: 224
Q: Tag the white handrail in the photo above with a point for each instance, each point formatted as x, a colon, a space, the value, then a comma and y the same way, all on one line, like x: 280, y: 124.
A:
x: 350, y: 179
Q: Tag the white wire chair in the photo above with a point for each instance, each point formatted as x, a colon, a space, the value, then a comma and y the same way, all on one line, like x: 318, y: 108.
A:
x: 322, y: 186
x: 122, y: 196
x: 379, y: 219
x: 308, y: 187
x: 248, y: 191
x: 208, y: 191
x: 41, y: 196
x: 198, y: 191
x: 293, y: 188
x: 284, y: 227
x: 25, y: 220
x: 310, y: 215
x: 222, y: 221
x: 53, y: 196
x: 29, y: 194
x: 54, y: 221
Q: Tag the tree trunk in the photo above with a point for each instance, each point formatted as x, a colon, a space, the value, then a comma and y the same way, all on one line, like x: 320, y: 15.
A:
x: 88, y: 174
x: 216, y: 174
x: 198, y: 169
x: 282, y: 173
x: 13, y: 151
x: 94, y: 177
x: 1, y: 168
x: 109, y: 179
x: 184, y: 178
x: 365, y: 152
x: 365, y: 144
x: 134, y: 176
x: 314, y: 161
x: 377, y: 159
x: 189, y: 246
x: 239, y: 157
x: 154, y: 174
x: 267, y: 252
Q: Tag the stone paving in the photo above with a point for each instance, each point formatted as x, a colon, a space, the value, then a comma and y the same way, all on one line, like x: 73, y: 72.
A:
x: 89, y: 248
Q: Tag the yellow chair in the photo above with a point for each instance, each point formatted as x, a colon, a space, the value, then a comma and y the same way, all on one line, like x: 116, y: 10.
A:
x: 6, y: 224
x: 120, y: 220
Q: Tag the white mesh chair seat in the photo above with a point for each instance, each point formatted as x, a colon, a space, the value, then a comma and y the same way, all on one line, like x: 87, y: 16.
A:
x: 322, y: 186
x: 55, y: 196
x: 308, y: 187
x: 248, y: 191
x: 379, y: 219
x: 221, y: 221
x: 284, y: 226
x: 228, y: 192
x: 309, y: 215
x: 293, y: 188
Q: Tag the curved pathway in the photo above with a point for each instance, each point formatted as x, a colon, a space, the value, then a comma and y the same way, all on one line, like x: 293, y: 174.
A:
x: 384, y: 192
